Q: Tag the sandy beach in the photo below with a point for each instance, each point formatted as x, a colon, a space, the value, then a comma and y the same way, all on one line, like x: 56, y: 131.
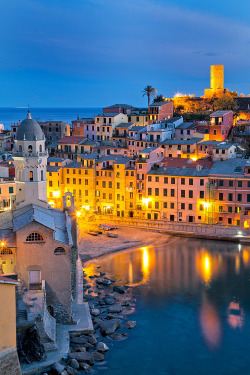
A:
x: 95, y: 246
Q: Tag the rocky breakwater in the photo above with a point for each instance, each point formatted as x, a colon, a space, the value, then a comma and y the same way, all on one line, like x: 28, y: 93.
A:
x: 110, y: 306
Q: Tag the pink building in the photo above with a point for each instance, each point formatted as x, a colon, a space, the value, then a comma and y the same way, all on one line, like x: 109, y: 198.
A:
x: 160, y: 111
x: 119, y: 108
x: 219, y: 127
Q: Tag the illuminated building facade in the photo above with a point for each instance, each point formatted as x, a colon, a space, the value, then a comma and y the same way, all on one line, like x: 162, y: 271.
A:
x: 216, y: 82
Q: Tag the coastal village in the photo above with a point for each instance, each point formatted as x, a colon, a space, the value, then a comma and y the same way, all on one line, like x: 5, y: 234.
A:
x: 180, y: 166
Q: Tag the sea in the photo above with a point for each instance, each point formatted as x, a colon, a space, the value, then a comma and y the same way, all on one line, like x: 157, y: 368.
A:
x: 192, y: 309
x: 10, y: 115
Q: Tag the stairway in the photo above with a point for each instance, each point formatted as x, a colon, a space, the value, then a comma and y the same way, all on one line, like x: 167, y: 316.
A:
x: 49, y: 345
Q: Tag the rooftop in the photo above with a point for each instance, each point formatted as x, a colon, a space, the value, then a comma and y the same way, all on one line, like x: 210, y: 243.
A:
x: 158, y: 104
x: 127, y: 106
x: 191, y: 141
x: 71, y: 140
x: 186, y: 125
x: 219, y: 113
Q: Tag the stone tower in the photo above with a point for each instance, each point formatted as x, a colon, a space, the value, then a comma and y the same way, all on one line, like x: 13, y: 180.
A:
x: 30, y: 160
x: 217, y: 77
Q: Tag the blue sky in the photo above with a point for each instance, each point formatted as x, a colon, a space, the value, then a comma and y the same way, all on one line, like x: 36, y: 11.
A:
x: 91, y: 53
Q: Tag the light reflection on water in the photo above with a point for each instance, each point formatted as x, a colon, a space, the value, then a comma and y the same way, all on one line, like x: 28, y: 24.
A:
x: 199, y: 291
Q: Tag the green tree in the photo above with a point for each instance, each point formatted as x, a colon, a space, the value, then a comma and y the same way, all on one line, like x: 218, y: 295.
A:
x: 226, y: 102
x: 159, y: 98
x: 150, y: 92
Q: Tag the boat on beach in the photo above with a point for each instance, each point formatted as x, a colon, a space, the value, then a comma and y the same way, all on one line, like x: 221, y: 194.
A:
x: 107, y: 227
x: 113, y: 235
x: 92, y: 233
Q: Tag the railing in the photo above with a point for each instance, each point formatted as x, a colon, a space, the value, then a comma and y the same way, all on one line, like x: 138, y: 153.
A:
x: 30, y: 154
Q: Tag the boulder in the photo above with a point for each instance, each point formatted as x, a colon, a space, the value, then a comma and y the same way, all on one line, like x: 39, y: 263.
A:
x: 91, y: 276
x: 106, y: 282
x: 56, y: 368
x: 98, y: 281
x: 86, y: 368
x: 79, y: 340
x: 102, y: 273
x: 114, y: 316
x: 71, y: 370
x: 130, y: 324
x: 108, y: 300
x: 119, y: 336
x: 119, y: 289
x: 92, y: 340
x: 125, y: 303
x: 114, y: 309
x: 80, y: 349
x: 73, y: 363
x: 109, y: 326
x: 83, y: 357
x: 112, y: 280
x: 95, y: 312
x: 98, y: 356
x: 102, y: 347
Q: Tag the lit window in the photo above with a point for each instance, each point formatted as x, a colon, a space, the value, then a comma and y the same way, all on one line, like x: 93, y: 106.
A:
x: 59, y: 251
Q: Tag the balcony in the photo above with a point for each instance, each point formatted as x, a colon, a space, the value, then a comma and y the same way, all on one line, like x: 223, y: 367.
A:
x: 30, y: 154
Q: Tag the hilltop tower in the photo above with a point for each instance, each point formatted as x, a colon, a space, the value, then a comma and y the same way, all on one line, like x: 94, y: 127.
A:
x: 30, y: 160
x: 216, y: 82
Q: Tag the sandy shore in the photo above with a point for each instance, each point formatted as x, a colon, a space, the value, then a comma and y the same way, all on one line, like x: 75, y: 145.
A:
x: 93, y: 247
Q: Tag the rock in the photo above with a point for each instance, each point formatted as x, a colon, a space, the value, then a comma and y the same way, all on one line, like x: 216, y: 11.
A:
x: 102, y: 311
x: 83, y: 357
x: 86, y: 368
x: 78, y: 340
x: 114, y: 316
x: 130, y: 324
x: 102, y: 347
x: 109, y: 326
x: 64, y: 372
x: 91, y: 276
x: 88, y: 286
x: 125, y: 303
x: 108, y: 300
x: 115, y: 308
x: 89, y: 346
x: 106, y: 282
x: 119, y: 289
x: 71, y: 371
x: 95, y: 312
x: 80, y: 349
x: 56, y: 368
x: 112, y: 280
x: 92, y: 340
x: 98, y: 267
x: 90, y: 290
x: 119, y: 336
x: 98, y: 356
x: 98, y: 281
x: 73, y: 363
x: 102, y: 273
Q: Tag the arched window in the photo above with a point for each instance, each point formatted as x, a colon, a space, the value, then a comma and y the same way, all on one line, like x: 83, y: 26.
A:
x: 40, y: 148
x: 30, y: 148
x: 6, y: 251
x: 42, y: 175
x: 31, y: 175
x: 20, y: 149
x: 34, y: 237
x: 59, y: 251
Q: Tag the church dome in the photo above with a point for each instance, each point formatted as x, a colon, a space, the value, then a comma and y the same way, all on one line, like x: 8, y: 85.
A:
x: 29, y: 130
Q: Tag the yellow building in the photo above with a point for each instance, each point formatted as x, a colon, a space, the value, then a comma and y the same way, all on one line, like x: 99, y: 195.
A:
x: 9, y: 363
x: 216, y: 82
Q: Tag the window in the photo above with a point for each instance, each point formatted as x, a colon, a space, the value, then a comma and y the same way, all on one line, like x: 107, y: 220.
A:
x: 11, y: 190
x: 172, y: 192
x: 85, y: 171
x: 156, y: 179
x: 149, y: 178
x: 191, y: 181
x: 220, y: 218
x: 239, y: 183
x: 68, y: 180
x: 239, y: 197
x: 165, y: 204
x: 87, y: 193
x: 79, y: 181
x: 20, y: 148
x: 59, y: 251
x: 220, y: 196
x: 118, y: 185
x: 74, y: 181
x: 103, y: 184
x: 220, y: 208
x: 182, y: 206
x: 190, y: 207
x: 231, y: 183
x: 183, y: 193
x: 230, y: 209
x: 149, y: 191
x: 229, y: 220
x: 221, y: 182
x: 172, y: 180
x: 50, y: 183
x: 156, y: 192
x: 156, y: 205
x: 30, y: 148
x: 190, y: 194
x: 104, y: 195
x: 165, y: 180
x: 248, y: 183
x: 202, y: 182
x: 41, y: 175
x: 86, y: 181
x: 172, y: 205
x: 31, y: 175
x: 34, y: 237
x: 140, y: 166
x: 165, y: 192
x: 110, y: 184
x: 230, y: 197
x: 202, y: 194
x: 248, y: 197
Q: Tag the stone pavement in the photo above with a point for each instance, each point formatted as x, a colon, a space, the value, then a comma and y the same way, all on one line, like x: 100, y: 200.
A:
x: 82, y: 318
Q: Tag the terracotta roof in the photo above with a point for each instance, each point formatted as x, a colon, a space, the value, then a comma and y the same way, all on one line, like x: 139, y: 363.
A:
x: 71, y: 140
x: 186, y: 162
x: 7, y: 280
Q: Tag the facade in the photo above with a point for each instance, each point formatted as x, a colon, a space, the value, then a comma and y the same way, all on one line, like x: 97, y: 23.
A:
x: 219, y: 127
x: 216, y: 82
x: 106, y: 123
x: 160, y: 111
x: 54, y: 130
x: 82, y: 127
x: 9, y: 363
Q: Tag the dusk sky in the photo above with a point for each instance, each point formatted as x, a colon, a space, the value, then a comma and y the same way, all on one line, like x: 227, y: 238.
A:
x: 93, y: 53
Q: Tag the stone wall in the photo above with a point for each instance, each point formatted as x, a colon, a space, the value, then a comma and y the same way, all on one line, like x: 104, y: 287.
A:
x: 9, y: 363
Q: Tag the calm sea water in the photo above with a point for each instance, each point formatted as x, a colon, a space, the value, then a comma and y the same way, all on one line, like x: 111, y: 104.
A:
x: 11, y: 115
x: 192, y: 310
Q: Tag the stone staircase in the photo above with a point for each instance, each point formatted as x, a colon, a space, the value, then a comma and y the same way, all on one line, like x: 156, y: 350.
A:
x: 49, y: 345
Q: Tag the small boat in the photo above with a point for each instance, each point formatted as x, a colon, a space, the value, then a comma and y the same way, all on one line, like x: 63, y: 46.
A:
x: 93, y: 233
x: 113, y: 235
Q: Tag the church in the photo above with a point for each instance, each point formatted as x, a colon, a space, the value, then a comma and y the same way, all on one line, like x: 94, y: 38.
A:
x: 38, y: 243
